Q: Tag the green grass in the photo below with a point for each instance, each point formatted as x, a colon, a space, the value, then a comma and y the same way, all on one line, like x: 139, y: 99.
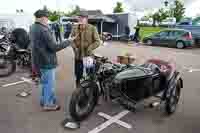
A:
x: 145, y: 31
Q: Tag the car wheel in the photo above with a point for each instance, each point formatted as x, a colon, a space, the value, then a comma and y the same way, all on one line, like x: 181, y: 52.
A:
x: 149, y: 42
x: 180, y: 45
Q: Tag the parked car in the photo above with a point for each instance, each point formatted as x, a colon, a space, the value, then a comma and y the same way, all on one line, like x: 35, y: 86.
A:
x: 186, y: 21
x: 178, y: 38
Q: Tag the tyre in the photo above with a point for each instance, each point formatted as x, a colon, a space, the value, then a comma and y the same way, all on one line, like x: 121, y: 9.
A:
x: 180, y: 45
x: 172, y: 101
x: 83, y: 101
x: 7, y: 66
x: 20, y: 37
x: 149, y: 42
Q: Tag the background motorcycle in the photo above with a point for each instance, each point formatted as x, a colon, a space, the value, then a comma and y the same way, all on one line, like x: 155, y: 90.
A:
x: 14, y: 52
x: 112, y: 82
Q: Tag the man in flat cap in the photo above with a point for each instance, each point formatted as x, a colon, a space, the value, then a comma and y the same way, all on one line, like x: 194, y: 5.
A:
x: 87, y: 40
x: 44, y: 50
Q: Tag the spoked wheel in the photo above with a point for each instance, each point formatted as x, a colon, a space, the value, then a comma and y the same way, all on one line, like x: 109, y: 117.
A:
x: 83, y: 101
x: 7, y: 66
x: 173, y: 100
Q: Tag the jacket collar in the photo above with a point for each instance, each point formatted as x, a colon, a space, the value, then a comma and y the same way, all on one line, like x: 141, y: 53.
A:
x: 42, y: 24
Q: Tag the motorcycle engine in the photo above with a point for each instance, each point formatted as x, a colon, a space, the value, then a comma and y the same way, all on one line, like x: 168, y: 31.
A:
x: 107, y: 70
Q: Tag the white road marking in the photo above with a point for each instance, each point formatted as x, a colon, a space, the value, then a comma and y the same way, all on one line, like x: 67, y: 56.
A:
x: 124, y: 124
x: 23, y: 80
x: 11, y: 84
x: 194, y: 70
x: 114, y: 119
x: 27, y: 80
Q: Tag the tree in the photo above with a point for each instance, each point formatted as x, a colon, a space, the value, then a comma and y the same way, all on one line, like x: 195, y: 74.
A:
x: 74, y: 12
x: 163, y: 14
x: 118, y: 8
x: 178, y: 10
x: 54, y: 16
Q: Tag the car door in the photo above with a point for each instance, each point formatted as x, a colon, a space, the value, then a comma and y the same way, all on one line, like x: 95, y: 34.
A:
x: 173, y: 35
x: 161, y: 37
x: 172, y: 38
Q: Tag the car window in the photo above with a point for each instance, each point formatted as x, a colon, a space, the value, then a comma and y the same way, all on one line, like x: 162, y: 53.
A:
x: 175, y: 33
x: 163, y: 34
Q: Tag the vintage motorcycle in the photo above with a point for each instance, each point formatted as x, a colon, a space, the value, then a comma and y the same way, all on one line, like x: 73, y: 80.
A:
x: 129, y: 84
x: 12, y: 55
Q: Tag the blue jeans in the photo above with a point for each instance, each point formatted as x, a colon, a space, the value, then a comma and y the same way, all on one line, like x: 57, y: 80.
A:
x: 47, y: 82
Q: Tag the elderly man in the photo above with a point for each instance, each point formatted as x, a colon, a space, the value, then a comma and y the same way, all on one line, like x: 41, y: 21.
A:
x: 87, y: 40
x: 44, y: 50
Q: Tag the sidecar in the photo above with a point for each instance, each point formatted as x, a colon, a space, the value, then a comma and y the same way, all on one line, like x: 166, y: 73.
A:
x: 155, y: 78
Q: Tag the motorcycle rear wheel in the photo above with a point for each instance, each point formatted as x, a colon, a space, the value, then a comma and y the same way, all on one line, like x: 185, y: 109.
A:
x: 79, y: 99
x: 7, y: 63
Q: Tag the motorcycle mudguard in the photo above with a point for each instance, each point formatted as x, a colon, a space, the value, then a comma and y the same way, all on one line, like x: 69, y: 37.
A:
x: 86, y: 83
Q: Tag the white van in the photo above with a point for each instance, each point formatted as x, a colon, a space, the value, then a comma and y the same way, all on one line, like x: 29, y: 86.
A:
x: 170, y: 21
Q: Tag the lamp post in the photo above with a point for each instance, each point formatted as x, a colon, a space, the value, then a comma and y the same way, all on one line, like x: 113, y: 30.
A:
x: 166, y: 3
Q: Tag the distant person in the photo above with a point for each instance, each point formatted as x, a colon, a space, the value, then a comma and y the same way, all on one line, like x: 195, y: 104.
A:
x: 44, y: 58
x: 57, y: 32
x: 127, y: 32
x: 136, y: 37
x: 68, y: 30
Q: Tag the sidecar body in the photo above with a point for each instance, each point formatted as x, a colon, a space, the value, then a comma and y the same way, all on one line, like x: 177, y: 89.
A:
x: 150, y: 79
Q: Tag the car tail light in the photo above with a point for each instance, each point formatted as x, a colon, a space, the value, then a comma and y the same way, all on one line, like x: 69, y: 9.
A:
x: 188, y: 36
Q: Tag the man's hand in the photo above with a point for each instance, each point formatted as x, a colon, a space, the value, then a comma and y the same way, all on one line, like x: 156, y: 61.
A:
x: 72, y: 38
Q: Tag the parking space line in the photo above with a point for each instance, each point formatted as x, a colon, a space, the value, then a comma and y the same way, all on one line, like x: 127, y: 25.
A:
x: 110, y: 121
x: 11, y: 84
x: 124, y: 124
x: 23, y: 80
x: 190, y: 69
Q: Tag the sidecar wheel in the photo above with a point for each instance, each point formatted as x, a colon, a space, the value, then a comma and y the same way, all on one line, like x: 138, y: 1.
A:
x: 172, y: 101
x: 83, y: 101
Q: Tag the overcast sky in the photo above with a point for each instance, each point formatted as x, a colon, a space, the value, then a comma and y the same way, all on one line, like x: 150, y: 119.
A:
x: 7, y: 6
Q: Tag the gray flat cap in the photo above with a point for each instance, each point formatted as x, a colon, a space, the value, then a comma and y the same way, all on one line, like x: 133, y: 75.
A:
x: 41, y: 13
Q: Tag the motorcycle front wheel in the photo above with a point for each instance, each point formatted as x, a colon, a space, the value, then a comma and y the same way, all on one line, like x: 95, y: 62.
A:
x: 83, y: 101
x: 7, y: 66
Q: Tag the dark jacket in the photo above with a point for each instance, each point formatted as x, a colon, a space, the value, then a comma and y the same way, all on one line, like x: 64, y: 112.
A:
x: 44, y: 47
